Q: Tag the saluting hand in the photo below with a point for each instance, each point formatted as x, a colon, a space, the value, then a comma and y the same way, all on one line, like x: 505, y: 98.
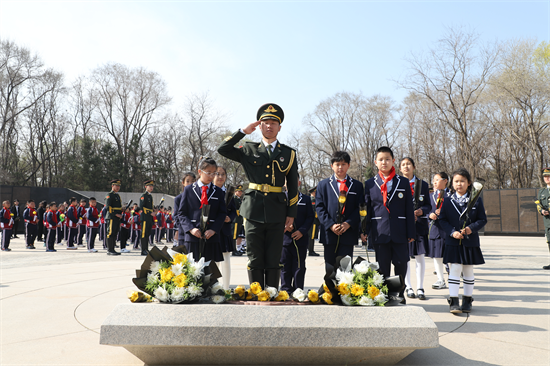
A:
x: 251, y: 127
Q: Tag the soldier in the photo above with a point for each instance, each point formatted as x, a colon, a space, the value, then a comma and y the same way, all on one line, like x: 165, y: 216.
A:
x: 543, y: 206
x: 314, y: 231
x: 268, y: 165
x: 146, y: 205
x: 113, y: 214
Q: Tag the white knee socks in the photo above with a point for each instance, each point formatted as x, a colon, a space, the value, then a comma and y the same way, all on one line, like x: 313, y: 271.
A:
x: 420, y: 271
x: 468, y: 279
x: 408, y: 283
x: 438, y: 264
x: 454, y: 278
x: 226, y: 270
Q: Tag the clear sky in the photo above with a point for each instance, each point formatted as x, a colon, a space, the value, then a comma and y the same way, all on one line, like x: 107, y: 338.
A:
x: 246, y: 53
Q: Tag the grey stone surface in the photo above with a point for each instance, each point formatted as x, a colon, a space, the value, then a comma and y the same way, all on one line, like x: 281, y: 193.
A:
x: 320, y: 334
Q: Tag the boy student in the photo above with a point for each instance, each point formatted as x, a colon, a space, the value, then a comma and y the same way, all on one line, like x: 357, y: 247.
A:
x: 390, y: 215
x: 6, y: 224
x: 16, y: 211
x: 31, y: 220
x: 341, y: 233
x: 81, y: 212
x: 124, y: 233
x: 52, y: 223
x: 92, y: 221
x: 72, y: 222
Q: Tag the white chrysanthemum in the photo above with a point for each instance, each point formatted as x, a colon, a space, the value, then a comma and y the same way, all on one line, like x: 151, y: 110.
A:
x: 155, y: 266
x: 478, y: 186
x: 178, y: 293
x: 378, y: 279
x: 346, y: 299
x: 362, y: 267
x: 366, y: 301
x: 177, y: 269
x: 152, y: 278
x: 218, y: 299
x: 172, y: 253
x: 194, y: 290
x: 216, y: 287
x: 161, y: 294
x: 380, y: 299
x: 299, y: 295
x: 344, y: 277
x: 272, y: 291
x: 374, y: 266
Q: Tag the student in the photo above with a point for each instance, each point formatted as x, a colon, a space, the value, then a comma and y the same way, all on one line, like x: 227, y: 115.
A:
x: 16, y: 215
x: 52, y: 224
x: 169, y: 225
x: 419, y: 247
x: 188, y: 178
x: 41, y: 211
x: 31, y: 224
x: 226, y: 235
x: 81, y: 212
x: 63, y: 222
x: 72, y: 218
x: 136, y: 227
x: 295, y: 245
x: 437, y: 234
x: 92, y: 222
x: 194, y: 197
x: 462, y: 249
x: 6, y: 224
x: 390, y: 216
x: 340, y: 237
x: 159, y: 219
x: 124, y: 233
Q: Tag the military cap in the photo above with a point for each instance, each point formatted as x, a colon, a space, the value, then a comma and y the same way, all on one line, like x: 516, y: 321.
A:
x: 239, y: 188
x: 546, y: 171
x: 116, y: 181
x: 314, y: 189
x: 270, y: 111
x: 149, y: 182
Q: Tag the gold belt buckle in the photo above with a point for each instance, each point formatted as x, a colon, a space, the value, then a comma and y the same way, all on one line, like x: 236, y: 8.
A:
x: 265, y: 188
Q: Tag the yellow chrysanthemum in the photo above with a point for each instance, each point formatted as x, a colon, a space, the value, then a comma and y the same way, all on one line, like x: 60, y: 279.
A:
x: 166, y: 274
x: 239, y: 290
x: 282, y: 296
x: 263, y: 296
x: 357, y: 290
x: 313, y: 296
x: 342, y: 199
x: 327, y: 296
x: 343, y: 289
x: 325, y: 287
x: 181, y: 280
x: 363, y: 213
x: 180, y: 258
x: 255, y: 288
x: 134, y: 296
x: 249, y: 295
x: 373, y: 292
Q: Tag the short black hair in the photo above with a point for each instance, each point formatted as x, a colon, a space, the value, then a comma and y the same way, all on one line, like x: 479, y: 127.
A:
x: 383, y: 149
x: 82, y: 200
x: 339, y: 156
x: 92, y: 199
x: 72, y: 199
x: 409, y: 159
x: 462, y: 172
x: 189, y: 174
x: 52, y: 204
x: 30, y: 201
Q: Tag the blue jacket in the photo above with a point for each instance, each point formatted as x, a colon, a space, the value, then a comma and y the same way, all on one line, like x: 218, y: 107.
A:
x: 449, y: 219
x: 398, y: 224
x: 189, y: 211
x: 437, y: 231
x: 177, y: 202
x: 326, y: 204
x: 424, y: 205
x: 303, y: 221
x: 72, y: 216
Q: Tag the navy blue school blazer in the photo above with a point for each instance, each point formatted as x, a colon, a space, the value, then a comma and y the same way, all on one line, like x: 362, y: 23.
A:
x: 326, y: 205
x: 449, y: 219
x: 303, y: 221
x: 232, y: 213
x: 189, y: 211
x: 398, y: 224
x: 437, y: 231
x: 177, y: 203
x: 424, y: 198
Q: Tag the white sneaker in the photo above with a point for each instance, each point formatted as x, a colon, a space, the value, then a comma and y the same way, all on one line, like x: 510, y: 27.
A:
x: 92, y: 251
x: 72, y: 248
x: 439, y: 285
x: 125, y: 250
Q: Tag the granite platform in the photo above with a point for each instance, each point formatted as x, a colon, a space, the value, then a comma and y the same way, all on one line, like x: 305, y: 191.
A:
x: 208, y: 334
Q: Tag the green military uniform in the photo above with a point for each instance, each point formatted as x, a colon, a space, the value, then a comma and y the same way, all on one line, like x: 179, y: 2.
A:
x: 543, y: 199
x: 265, y: 206
x: 113, y: 205
x: 146, y: 206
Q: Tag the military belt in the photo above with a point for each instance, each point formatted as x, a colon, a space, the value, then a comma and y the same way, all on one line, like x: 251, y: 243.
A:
x: 265, y: 188
x: 111, y: 209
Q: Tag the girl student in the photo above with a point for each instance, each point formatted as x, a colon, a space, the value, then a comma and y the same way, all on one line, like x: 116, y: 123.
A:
x: 195, y: 196
x: 226, y: 234
x: 462, y: 249
x: 188, y: 178
x: 436, y: 233
x: 418, y: 247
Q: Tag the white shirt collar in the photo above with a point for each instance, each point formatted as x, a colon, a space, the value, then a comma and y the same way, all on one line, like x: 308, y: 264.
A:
x: 200, y: 184
x: 273, y: 144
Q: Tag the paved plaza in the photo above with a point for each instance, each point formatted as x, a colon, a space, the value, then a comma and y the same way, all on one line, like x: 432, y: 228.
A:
x: 53, y: 304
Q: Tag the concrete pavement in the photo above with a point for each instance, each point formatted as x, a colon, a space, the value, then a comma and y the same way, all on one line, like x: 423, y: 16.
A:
x: 52, y: 306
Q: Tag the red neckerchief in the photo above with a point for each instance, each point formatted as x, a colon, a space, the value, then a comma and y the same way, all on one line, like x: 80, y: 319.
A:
x: 384, y: 187
x: 412, y: 187
x: 204, y: 196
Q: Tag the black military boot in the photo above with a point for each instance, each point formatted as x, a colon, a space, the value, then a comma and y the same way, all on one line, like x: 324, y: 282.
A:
x: 256, y: 275
x: 455, y: 305
x: 272, y: 277
x: 144, y: 246
x: 467, y: 304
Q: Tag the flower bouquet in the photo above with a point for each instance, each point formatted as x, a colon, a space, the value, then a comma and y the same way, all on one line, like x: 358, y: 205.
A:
x: 256, y: 293
x: 171, y: 276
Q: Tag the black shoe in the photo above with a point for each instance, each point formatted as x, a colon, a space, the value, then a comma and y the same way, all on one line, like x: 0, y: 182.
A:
x: 403, y: 301
x: 33, y: 247
x: 15, y: 237
x: 410, y: 293
x: 546, y: 267
x: 454, y: 305
x: 6, y: 249
x: 237, y: 254
x: 314, y: 254
x: 420, y: 295
x: 144, y: 252
x: 467, y: 304
x: 113, y: 253
x: 51, y: 250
